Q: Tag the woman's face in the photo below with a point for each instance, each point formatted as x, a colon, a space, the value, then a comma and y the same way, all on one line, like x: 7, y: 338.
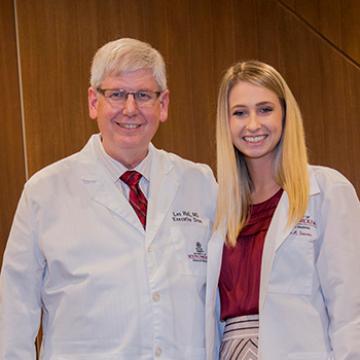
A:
x: 255, y: 119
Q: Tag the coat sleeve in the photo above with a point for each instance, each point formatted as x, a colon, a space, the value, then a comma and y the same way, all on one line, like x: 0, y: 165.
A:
x: 339, y: 268
x: 20, y: 286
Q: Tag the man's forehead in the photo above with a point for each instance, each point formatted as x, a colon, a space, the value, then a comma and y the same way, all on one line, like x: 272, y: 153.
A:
x: 117, y: 73
x: 138, y: 76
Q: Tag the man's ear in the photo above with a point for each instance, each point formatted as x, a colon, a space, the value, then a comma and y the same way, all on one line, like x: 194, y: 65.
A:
x: 164, y: 105
x: 92, y: 102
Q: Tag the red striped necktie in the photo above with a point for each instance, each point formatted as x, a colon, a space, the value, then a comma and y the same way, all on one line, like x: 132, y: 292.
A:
x: 136, y: 197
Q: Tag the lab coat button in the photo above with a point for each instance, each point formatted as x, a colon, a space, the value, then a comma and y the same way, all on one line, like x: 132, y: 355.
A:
x: 158, y: 351
x: 156, y: 296
x: 150, y: 249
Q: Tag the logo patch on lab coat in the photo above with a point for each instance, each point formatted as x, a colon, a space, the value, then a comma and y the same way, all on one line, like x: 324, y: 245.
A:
x: 305, y: 227
x: 186, y: 216
x: 199, y: 254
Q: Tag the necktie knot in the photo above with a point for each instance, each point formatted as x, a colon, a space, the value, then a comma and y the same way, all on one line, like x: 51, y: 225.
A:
x: 131, y: 178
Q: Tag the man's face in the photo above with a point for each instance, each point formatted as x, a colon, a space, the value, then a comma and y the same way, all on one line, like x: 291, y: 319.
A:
x: 128, y: 128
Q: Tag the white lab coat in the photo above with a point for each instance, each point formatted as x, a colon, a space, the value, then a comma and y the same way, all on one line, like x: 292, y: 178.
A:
x: 108, y: 289
x: 309, y: 305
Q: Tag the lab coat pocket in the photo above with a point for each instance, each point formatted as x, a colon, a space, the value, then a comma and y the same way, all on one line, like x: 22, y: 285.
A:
x: 293, y: 268
x: 191, y: 248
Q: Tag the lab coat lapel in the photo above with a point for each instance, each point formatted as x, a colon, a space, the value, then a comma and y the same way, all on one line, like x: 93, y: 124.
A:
x: 106, y: 194
x: 101, y: 188
x: 164, y: 183
x: 276, y: 235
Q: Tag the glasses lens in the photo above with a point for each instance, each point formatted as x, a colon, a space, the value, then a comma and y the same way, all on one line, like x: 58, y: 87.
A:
x: 144, y: 97
x: 118, y: 97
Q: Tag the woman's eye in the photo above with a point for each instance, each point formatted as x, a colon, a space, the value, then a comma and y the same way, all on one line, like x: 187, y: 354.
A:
x: 265, y: 109
x: 239, y: 113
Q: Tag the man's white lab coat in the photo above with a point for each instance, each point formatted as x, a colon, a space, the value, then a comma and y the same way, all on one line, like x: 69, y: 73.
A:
x: 108, y: 289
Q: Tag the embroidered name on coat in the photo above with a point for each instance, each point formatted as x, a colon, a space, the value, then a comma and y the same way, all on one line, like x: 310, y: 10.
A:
x: 186, y: 216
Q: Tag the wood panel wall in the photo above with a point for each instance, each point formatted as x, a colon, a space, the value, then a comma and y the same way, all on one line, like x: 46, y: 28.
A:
x: 199, y: 40
x: 326, y: 84
x: 337, y: 21
x: 12, y: 165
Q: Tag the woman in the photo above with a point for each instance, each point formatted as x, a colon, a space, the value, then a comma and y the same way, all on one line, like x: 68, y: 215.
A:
x: 288, y: 271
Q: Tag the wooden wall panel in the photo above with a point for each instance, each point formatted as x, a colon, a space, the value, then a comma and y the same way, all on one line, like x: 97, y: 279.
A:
x: 336, y: 20
x: 11, y: 143
x: 178, y: 61
x: 324, y: 82
x: 191, y: 76
x: 56, y: 43
x: 198, y: 39
x: 350, y: 25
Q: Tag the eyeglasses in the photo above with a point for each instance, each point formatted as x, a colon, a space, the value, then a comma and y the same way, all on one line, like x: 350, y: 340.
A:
x: 118, y: 97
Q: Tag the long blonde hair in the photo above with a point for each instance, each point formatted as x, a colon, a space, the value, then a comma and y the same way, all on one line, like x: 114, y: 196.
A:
x: 291, y: 161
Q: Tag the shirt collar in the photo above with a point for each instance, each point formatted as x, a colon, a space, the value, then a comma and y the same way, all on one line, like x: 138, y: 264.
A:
x: 116, y: 168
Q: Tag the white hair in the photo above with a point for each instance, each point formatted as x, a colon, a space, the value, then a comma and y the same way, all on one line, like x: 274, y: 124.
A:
x: 127, y: 54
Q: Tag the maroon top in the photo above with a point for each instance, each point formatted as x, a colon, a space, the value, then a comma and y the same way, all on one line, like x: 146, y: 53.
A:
x: 239, y: 282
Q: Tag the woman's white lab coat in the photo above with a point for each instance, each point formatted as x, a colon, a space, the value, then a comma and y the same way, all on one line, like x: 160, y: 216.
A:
x: 309, y: 303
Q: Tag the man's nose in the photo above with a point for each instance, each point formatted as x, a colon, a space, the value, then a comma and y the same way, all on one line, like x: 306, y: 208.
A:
x: 130, y: 106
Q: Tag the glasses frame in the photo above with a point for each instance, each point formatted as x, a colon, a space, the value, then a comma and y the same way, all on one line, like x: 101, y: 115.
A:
x: 150, y: 102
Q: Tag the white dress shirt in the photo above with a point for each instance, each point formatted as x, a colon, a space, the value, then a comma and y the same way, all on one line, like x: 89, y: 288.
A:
x: 116, y: 169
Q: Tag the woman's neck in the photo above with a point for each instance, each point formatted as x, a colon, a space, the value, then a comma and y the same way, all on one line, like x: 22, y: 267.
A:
x: 263, y: 180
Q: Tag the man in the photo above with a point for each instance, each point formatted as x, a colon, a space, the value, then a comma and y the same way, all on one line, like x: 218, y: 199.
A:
x: 114, y: 260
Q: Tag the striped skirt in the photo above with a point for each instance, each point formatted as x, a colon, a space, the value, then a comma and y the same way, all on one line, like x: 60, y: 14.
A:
x: 240, y: 339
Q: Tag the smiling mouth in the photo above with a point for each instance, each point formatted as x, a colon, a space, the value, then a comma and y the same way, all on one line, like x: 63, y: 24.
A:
x: 254, y: 139
x: 128, y: 126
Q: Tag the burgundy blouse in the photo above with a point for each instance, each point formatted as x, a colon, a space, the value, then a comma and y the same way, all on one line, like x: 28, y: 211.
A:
x: 239, y: 281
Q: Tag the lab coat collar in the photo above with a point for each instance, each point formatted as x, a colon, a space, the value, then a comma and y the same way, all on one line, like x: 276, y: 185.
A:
x: 101, y: 187
x: 277, y: 233
x: 164, y: 182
